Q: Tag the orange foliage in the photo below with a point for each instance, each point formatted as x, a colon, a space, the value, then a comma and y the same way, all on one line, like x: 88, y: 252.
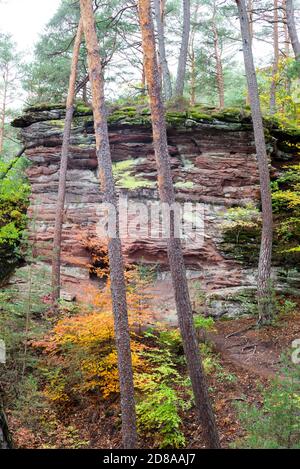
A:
x: 81, y: 350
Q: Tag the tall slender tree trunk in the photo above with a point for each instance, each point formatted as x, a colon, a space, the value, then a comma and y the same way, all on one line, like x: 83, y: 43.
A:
x: 3, y: 110
x: 182, y: 61
x: 144, y: 84
x: 250, y: 15
x: 59, y: 216
x: 287, y: 82
x: 159, y: 8
x: 193, y: 72
x: 265, y: 257
x: 291, y: 24
x: 84, y: 94
x: 276, y: 59
x: 218, y: 59
x: 167, y: 196
x: 285, y: 30
x: 193, y: 59
x: 5, y: 437
x: 118, y: 289
x: 251, y: 31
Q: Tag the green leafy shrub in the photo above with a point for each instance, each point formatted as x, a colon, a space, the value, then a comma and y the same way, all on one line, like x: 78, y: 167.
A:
x: 159, y: 414
x: 202, y: 322
x: 286, y: 207
x: 276, y: 423
x: 14, y: 199
x: 286, y: 307
x: 163, y: 391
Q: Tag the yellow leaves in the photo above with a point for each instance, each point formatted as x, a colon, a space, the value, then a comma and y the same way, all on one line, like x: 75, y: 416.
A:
x: 83, y: 346
x: 85, y: 343
x: 55, y: 390
x: 102, y: 374
x: 87, y: 330
x: 289, y: 199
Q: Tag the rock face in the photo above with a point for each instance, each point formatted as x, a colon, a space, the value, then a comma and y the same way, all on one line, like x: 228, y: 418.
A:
x: 213, y: 163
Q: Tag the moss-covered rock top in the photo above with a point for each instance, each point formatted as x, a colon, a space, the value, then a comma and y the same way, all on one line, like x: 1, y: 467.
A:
x: 232, y: 119
x: 135, y: 115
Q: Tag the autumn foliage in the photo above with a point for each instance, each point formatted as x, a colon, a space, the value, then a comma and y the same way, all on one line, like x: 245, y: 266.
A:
x: 80, y: 349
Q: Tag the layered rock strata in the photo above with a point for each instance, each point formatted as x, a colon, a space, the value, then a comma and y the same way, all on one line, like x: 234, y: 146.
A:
x: 213, y: 163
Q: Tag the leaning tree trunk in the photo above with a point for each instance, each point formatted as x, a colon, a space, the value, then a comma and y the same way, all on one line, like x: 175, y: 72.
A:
x: 56, y: 256
x: 118, y: 289
x: 182, y: 61
x: 291, y: 24
x: 264, y: 267
x: 276, y: 59
x: 159, y: 17
x: 166, y: 191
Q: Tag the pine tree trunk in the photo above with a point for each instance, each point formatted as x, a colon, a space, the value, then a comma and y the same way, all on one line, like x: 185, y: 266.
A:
x: 166, y: 191
x: 193, y: 75
x: 144, y: 84
x: 219, y: 66
x: 56, y: 256
x: 166, y: 77
x: 264, y: 267
x: 3, y: 111
x: 287, y: 83
x: 5, y: 438
x: 286, y: 31
x: 251, y: 30
x: 193, y: 59
x: 276, y: 60
x: 182, y: 61
x: 291, y: 24
x: 118, y: 289
x: 84, y: 94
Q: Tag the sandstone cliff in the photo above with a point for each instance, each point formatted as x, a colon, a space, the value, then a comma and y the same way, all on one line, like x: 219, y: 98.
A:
x: 213, y: 162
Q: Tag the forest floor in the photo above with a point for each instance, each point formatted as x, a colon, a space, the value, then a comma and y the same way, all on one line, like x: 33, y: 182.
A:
x: 248, y: 358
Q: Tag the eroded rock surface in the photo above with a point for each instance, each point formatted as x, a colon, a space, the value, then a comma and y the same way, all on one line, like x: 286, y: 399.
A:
x: 213, y: 162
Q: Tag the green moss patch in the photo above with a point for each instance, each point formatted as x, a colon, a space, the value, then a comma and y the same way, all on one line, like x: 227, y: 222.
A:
x: 184, y: 185
x: 125, y: 178
x: 45, y: 107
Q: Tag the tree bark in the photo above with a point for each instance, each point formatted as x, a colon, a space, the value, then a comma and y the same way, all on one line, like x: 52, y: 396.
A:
x: 285, y: 30
x: 193, y: 59
x: 84, y: 94
x: 3, y: 110
x: 56, y: 256
x: 118, y: 289
x: 167, y: 196
x: 218, y: 59
x: 144, y: 84
x: 182, y: 61
x: 251, y: 31
x: 287, y: 82
x: 5, y: 438
x: 276, y: 59
x: 193, y: 72
x: 291, y: 24
x: 264, y: 267
x: 159, y: 17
